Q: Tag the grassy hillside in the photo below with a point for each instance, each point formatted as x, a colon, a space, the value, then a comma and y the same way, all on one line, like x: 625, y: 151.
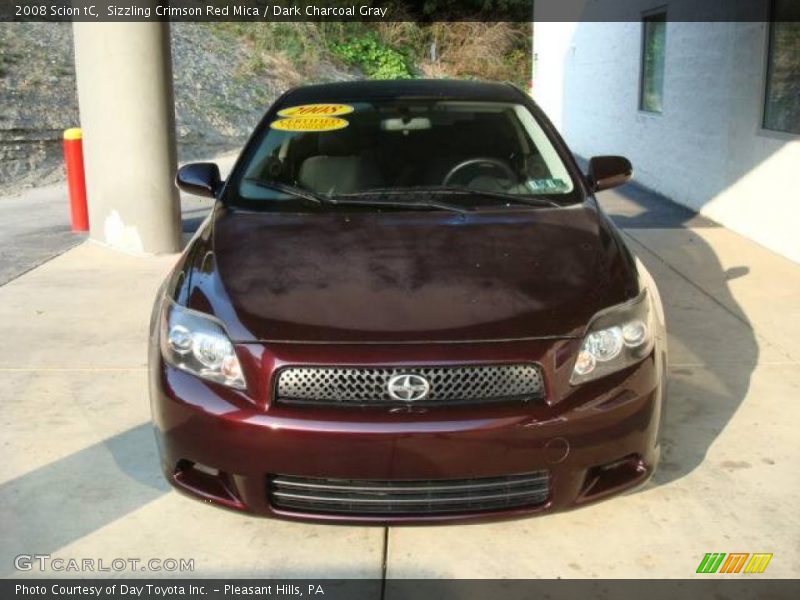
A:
x: 496, y: 51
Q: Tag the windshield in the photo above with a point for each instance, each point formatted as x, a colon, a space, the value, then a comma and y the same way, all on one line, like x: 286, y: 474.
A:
x: 475, y: 152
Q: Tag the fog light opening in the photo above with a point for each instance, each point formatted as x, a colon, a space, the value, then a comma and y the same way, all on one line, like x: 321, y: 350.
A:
x: 207, y: 482
x: 611, y: 477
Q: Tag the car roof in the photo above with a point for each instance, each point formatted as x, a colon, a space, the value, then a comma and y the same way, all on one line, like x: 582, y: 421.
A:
x: 449, y: 89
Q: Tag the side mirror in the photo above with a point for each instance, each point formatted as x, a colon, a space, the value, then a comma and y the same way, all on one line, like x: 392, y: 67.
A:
x: 200, y: 179
x: 609, y: 171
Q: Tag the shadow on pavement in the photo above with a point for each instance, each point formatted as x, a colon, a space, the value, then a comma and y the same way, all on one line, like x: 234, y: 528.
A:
x: 192, y: 219
x: 703, y: 320
x: 74, y: 496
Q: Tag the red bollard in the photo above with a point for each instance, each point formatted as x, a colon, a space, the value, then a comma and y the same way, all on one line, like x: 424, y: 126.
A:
x: 76, y: 181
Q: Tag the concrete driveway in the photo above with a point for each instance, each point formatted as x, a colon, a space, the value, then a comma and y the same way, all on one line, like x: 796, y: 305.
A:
x: 80, y: 476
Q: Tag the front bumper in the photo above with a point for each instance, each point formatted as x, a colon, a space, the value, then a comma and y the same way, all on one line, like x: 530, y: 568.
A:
x: 223, y: 445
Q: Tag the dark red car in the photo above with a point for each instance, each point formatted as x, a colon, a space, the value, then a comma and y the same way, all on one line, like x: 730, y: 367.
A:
x: 407, y: 306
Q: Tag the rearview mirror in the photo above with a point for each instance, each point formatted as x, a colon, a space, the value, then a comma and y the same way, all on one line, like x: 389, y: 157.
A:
x: 200, y: 179
x: 405, y: 125
x: 609, y: 171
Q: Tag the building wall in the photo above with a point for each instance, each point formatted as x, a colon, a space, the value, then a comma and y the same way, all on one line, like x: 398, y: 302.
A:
x: 707, y: 149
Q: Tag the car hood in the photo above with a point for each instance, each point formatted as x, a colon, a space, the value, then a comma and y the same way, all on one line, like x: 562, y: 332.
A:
x: 411, y: 276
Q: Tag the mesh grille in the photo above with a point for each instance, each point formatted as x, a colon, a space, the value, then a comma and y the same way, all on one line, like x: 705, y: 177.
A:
x: 403, y: 497
x: 448, y: 385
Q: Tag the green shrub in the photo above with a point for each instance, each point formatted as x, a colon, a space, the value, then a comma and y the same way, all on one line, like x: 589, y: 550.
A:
x: 376, y: 59
x: 295, y: 53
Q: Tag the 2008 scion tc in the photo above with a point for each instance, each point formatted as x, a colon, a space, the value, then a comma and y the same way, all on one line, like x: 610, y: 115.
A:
x: 406, y: 306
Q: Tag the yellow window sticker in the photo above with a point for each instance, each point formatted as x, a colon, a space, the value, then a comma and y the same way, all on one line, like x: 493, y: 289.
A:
x: 316, y: 110
x: 309, y: 124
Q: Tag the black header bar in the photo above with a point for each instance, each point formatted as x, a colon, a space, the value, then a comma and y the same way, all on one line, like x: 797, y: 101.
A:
x: 383, y: 10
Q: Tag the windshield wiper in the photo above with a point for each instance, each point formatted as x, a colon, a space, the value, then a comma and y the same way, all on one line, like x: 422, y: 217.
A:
x: 351, y: 198
x: 529, y: 200
x: 348, y: 199
x: 355, y: 199
x: 462, y: 190
x: 291, y: 190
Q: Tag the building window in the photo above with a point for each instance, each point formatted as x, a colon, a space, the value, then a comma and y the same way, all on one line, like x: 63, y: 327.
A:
x: 654, y: 45
x: 782, y: 103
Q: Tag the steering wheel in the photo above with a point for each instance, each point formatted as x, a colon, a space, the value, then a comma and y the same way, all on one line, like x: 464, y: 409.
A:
x: 482, y: 161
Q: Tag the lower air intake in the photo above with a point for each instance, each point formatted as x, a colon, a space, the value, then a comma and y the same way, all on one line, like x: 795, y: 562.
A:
x: 406, y: 497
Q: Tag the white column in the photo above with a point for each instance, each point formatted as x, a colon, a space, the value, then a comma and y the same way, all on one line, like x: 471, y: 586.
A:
x: 124, y: 76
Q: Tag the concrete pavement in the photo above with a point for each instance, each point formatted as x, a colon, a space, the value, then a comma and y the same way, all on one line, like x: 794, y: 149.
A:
x: 81, y: 478
x: 34, y: 229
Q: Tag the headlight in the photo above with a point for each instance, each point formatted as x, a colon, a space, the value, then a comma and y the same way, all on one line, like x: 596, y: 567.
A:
x: 198, y: 344
x: 616, y: 338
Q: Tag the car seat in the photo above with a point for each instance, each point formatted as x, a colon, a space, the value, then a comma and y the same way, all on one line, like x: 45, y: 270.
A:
x: 339, y: 167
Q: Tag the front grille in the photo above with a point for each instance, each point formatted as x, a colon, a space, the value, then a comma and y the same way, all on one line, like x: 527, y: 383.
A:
x: 365, y: 386
x: 405, y: 497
